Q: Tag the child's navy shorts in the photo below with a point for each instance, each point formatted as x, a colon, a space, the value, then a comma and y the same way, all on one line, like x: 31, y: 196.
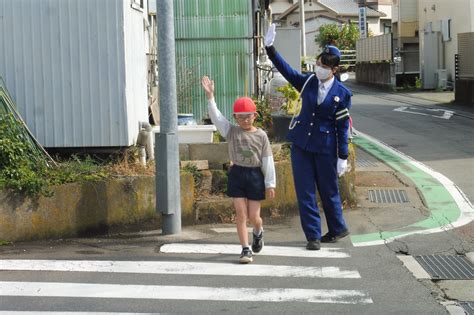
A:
x: 246, y: 182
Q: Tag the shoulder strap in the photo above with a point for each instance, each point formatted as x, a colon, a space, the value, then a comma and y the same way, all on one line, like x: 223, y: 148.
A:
x: 292, y: 122
x: 304, y: 85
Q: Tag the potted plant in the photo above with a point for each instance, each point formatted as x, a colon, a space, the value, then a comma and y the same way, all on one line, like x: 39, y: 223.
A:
x: 290, y: 104
x: 291, y: 97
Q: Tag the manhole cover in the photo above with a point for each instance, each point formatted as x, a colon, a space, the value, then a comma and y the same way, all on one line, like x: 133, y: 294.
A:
x: 366, y: 163
x: 447, y: 267
x: 388, y: 196
x: 468, y: 307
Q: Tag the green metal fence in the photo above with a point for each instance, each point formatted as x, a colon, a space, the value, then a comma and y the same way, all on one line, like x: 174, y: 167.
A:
x: 214, y: 38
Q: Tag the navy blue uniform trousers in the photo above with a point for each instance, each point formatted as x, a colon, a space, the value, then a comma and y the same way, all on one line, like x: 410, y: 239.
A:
x: 311, y: 172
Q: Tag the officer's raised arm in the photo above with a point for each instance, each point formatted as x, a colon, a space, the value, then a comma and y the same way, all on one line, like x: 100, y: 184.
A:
x: 291, y: 75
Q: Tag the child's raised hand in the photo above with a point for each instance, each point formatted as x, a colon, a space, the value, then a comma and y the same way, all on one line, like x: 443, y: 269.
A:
x: 208, y: 86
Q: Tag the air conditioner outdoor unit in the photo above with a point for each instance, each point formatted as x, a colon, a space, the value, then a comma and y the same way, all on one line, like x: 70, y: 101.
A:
x: 442, y: 78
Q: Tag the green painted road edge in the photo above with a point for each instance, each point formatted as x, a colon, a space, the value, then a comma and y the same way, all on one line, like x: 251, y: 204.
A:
x: 443, y: 208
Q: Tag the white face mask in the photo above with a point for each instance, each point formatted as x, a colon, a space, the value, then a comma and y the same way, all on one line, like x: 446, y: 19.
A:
x: 323, y: 73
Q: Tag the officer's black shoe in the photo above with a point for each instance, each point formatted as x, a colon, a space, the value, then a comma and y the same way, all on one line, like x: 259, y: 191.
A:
x: 313, y: 245
x: 328, y: 238
x: 257, y: 243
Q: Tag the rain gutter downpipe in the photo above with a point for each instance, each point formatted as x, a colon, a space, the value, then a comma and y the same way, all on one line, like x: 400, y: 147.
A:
x: 303, y: 29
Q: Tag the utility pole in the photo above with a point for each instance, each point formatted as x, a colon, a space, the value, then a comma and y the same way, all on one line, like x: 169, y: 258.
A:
x: 303, y: 29
x: 168, y: 197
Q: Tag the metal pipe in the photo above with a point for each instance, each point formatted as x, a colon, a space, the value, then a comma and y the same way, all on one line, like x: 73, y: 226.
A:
x: 303, y: 29
x: 168, y: 198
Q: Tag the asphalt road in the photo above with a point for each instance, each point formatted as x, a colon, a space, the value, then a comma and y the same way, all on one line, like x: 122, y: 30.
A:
x: 134, y: 274
x: 342, y: 279
x: 445, y: 145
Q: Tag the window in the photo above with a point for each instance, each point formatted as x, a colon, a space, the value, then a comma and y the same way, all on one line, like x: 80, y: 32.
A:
x: 137, y: 4
x: 446, y: 29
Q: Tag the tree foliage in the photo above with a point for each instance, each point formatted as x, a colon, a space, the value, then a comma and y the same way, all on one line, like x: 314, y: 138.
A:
x: 343, y: 36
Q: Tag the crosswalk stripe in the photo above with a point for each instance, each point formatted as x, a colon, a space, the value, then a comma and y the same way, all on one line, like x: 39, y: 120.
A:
x: 176, y: 267
x: 69, y: 313
x: 229, y: 230
x: 87, y: 290
x: 287, y: 251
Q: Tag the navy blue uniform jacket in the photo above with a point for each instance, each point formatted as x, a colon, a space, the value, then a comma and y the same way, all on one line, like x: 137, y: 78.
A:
x: 320, y: 128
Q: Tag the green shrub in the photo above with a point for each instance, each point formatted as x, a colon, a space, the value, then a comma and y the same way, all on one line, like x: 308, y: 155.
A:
x: 418, y: 83
x: 25, y: 169
x: 193, y: 170
x: 264, y: 119
x: 21, y: 168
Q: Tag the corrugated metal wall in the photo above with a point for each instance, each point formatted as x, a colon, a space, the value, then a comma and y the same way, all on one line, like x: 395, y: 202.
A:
x: 215, y: 38
x: 63, y: 62
x: 377, y: 48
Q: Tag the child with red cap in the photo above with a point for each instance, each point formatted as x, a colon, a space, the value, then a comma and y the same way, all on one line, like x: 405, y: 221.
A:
x: 252, y: 173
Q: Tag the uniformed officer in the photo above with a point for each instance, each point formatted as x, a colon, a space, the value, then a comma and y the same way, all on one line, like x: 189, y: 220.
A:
x: 319, y: 136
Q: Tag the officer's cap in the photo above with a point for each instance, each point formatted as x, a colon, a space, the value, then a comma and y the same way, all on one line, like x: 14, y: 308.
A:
x: 332, y: 50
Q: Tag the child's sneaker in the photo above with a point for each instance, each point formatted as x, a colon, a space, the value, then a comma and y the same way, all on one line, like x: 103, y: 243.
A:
x: 246, y: 256
x: 257, y: 243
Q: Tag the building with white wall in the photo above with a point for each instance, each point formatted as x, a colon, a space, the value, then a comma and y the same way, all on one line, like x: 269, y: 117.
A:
x: 384, y: 22
x: 319, y: 12
x: 77, y: 69
x: 406, y: 41
x: 440, y: 22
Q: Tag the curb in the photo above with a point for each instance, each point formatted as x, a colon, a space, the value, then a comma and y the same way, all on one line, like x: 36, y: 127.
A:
x: 448, y: 205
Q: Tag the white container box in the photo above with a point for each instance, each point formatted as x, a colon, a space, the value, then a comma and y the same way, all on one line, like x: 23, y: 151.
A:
x: 193, y: 133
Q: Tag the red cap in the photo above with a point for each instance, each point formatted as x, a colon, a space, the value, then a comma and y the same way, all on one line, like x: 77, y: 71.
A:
x: 244, y: 105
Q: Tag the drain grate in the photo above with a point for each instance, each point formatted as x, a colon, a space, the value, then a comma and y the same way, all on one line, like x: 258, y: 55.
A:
x: 447, y: 267
x: 388, y: 196
x: 468, y: 307
x: 366, y: 163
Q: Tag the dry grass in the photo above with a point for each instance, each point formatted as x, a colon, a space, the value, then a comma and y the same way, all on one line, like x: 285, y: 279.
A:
x: 129, y: 165
x: 283, y: 154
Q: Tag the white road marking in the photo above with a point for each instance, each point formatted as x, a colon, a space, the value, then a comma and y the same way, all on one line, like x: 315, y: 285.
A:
x: 470, y: 256
x: 181, y: 248
x: 229, y: 230
x: 177, y: 267
x: 69, y: 313
x: 465, y: 206
x: 158, y: 292
x: 446, y: 113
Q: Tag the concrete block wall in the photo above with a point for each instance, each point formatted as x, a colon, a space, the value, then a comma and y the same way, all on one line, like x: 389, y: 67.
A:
x: 92, y: 207
x: 85, y: 208
x: 379, y: 74
x: 464, y: 92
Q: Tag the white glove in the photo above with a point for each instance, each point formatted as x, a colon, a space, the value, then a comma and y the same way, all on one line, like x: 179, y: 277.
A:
x: 270, y: 36
x: 341, y: 167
